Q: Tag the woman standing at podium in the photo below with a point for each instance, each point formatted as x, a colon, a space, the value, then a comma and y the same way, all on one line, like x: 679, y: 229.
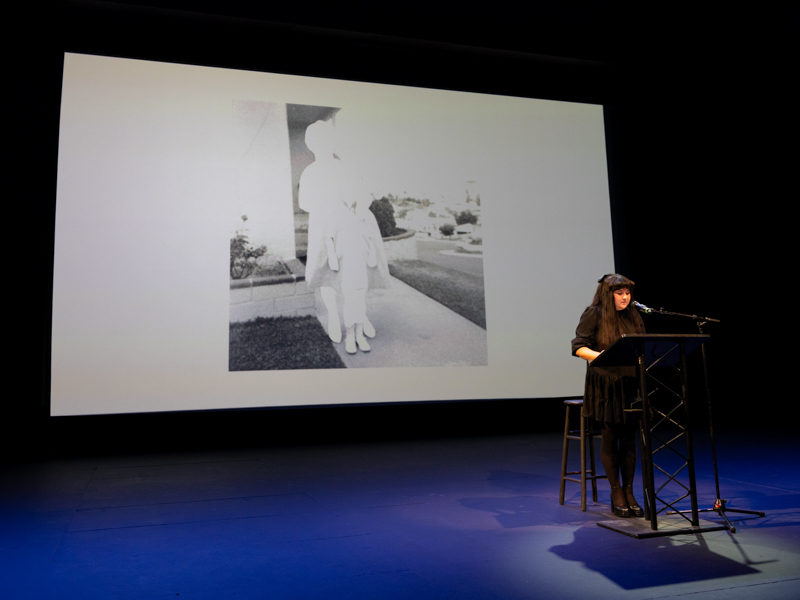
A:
x: 610, y: 390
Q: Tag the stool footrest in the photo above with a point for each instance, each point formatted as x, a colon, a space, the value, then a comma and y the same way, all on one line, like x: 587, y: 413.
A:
x: 588, y: 468
x: 588, y: 477
x: 589, y: 474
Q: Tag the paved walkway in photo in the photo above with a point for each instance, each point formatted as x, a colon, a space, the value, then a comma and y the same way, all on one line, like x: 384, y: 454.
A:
x: 413, y: 330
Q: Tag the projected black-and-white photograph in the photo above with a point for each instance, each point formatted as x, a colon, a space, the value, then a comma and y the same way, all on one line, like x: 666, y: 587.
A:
x: 233, y: 239
x: 381, y: 264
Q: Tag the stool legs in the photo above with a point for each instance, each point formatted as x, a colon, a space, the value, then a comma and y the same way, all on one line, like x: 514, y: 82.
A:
x: 583, y: 460
x: 564, y: 460
x: 587, y: 472
x: 591, y: 458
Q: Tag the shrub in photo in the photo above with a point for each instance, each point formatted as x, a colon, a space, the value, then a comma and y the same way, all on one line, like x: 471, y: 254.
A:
x: 384, y: 215
x: 243, y: 255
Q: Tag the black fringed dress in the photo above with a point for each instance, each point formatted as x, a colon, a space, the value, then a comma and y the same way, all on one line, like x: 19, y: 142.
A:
x: 608, y: 390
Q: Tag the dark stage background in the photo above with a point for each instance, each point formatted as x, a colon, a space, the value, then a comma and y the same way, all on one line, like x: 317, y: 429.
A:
x: 693, y: 102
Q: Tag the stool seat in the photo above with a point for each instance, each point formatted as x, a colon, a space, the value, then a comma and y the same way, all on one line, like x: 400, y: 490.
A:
x: 583, y: 434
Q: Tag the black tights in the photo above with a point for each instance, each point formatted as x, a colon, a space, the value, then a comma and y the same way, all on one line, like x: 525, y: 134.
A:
x: 618, y: 453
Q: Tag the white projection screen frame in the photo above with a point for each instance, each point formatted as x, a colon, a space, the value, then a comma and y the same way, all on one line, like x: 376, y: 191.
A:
x: 152, y: 187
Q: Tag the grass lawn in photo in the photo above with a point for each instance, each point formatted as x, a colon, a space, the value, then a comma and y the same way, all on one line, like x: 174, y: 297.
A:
x: 281, y: 343
x: 460, y: 292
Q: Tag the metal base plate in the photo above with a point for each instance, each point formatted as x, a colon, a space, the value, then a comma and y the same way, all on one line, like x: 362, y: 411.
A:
x: 667, y: 525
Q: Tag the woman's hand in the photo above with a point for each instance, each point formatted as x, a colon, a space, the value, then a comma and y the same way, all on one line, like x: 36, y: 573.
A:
x: 587, y: 354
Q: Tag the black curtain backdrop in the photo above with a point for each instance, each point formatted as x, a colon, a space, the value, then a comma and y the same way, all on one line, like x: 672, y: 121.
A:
x: 693, y: 104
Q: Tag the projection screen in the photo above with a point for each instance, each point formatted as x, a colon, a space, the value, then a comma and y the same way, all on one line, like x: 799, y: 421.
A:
x: 165, y: 169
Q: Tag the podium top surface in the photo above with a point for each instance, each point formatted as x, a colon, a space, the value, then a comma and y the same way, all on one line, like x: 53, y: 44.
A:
x: 656, y: 346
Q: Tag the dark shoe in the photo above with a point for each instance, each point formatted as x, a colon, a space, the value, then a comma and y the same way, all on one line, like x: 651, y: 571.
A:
x: 623, y: 510
x: 636, y: 510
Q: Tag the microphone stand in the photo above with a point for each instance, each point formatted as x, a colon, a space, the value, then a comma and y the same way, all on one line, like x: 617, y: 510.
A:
x: 720, y: 505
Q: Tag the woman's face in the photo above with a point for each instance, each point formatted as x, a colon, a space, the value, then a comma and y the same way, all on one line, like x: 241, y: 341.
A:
x: 622, y: 297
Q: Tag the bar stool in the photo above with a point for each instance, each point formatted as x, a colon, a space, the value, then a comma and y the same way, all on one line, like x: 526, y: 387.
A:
x: 584, y: 434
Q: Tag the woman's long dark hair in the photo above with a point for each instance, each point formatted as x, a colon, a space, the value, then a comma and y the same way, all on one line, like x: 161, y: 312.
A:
x: 610, y: 318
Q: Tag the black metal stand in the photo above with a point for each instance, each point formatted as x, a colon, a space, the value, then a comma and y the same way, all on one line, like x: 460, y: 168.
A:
x: 720, y: 505
x: 646, y: 352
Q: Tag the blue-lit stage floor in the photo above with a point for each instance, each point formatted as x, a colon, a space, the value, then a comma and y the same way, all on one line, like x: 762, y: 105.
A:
x: 460, y: 519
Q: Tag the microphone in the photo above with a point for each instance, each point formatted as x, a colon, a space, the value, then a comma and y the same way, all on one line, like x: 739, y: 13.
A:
x: 645, y: 309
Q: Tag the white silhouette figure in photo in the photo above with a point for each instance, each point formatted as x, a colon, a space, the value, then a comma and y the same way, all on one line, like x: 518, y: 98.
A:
x: 345, y: 250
